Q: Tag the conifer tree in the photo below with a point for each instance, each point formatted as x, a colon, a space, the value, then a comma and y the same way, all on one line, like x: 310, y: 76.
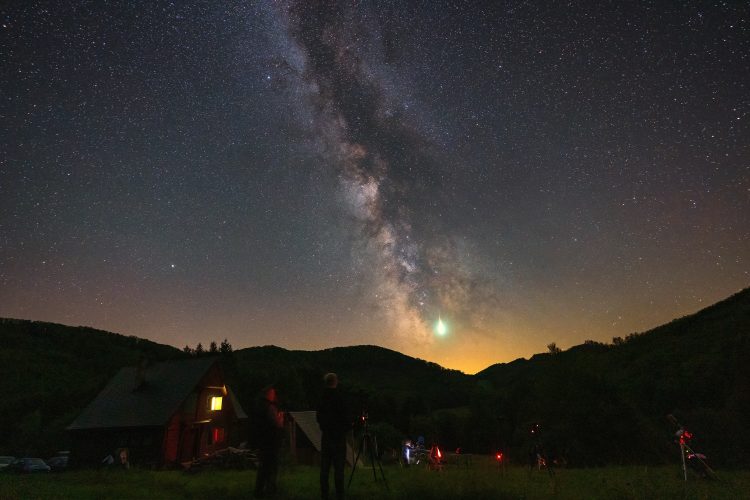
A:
x: 225, y: 347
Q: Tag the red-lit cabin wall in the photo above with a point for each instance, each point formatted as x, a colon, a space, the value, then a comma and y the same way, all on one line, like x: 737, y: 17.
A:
x: 193, y: 431
x: 215, y: 432
x: 172, y: 439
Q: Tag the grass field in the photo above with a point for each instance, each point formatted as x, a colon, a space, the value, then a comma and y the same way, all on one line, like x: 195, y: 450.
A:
x: 481, y: 481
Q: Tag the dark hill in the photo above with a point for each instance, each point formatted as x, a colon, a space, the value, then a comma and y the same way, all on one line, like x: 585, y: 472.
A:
x: 49, y: 372
x: 389, y: 385
x: 607, y: 402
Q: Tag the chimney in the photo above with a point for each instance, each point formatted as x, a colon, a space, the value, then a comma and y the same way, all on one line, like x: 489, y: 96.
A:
x: 140, y: 373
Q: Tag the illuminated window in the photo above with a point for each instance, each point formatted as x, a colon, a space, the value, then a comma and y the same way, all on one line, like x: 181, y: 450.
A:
x: 216, y: 403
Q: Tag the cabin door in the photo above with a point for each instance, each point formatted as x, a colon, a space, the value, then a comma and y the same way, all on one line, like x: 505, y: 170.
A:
x: 189, y: 441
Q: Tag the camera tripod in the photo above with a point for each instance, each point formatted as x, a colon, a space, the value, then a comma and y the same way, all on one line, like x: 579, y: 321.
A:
x: 683, y: 439
x: 367, y: 442
x: 538, y: 456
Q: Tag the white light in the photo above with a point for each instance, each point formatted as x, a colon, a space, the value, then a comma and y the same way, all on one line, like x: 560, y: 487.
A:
x: 440, y: 328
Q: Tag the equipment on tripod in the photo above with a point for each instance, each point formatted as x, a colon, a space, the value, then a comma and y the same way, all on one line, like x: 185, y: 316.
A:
x: 500, y: 459
x: 368, y: 442
x: 413, y: 454
x: 538, y: 456
x: 696, y: 461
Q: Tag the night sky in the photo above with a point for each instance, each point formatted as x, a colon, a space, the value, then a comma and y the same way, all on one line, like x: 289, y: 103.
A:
x: 311, y: 175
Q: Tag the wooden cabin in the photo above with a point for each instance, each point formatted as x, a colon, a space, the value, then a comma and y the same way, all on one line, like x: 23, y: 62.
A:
x: 163, y: 414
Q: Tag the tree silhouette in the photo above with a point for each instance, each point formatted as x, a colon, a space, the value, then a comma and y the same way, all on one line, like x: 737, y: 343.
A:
x: 213, y: 348
x: 225, y: 347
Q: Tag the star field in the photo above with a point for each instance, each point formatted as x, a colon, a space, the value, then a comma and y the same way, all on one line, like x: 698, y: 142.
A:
x: 316, y: 174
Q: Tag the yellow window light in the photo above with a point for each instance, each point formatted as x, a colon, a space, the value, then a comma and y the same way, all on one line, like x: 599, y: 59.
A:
x: 216, y: 403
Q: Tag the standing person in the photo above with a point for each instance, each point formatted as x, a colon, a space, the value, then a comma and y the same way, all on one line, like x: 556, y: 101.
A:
x: 333, y: 421
x: 270, y: 424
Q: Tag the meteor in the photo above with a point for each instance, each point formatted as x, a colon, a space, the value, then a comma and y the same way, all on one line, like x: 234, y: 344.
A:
x: 440, y: 327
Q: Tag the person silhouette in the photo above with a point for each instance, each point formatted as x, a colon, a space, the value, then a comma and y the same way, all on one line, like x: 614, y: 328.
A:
x: 270, y: 422
x: 334, y: 424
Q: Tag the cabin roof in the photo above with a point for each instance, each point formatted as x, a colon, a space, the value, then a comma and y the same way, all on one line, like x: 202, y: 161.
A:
x: 307, y: 422
x: 238, y: 411
x: 165, y: 387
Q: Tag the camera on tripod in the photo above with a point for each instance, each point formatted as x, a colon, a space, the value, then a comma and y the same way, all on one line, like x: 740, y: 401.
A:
x: 690, y: 458
x: 368, y: 444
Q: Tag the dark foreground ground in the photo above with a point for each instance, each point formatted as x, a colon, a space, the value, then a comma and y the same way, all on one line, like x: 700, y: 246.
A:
x: 477, y: 482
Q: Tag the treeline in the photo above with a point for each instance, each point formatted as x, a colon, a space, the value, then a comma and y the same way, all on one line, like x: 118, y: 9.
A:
x: 213, y: 348
x: 552, y: 348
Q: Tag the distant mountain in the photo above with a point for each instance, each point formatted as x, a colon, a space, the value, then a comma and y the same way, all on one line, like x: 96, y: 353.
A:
x: 366, y: 370
x: 391, y: 387
x: 600, y: 403
x: 596, y: 403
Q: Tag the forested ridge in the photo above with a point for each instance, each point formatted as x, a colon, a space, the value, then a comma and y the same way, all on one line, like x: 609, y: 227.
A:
x: 595, y: 403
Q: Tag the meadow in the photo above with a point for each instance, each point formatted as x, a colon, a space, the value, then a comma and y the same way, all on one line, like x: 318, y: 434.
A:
x: 480, y: 481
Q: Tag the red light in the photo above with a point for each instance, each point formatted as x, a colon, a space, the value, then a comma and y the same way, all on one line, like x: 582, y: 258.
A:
x: 439, y: 455
x: 499, y: 456
x: 218, y: 434
x: 685, y: 437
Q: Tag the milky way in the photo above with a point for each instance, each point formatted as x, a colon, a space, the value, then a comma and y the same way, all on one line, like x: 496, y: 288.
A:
x: 313, y: 174
x: 388, y: 178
